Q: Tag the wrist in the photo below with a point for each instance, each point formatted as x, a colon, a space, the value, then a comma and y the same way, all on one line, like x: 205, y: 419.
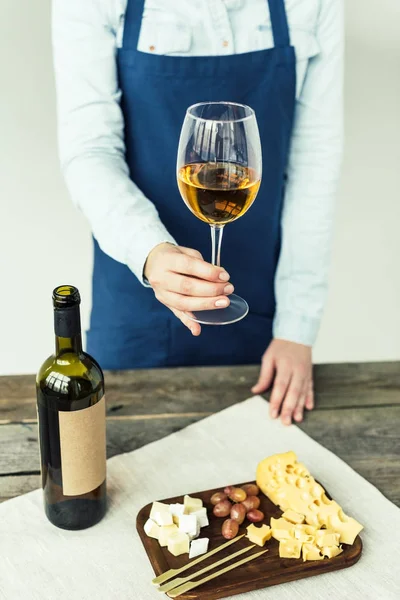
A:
x: 158, y: 248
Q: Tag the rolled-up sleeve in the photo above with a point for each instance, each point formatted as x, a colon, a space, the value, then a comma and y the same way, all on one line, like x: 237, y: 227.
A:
x: 90, y: 132
x: 313, y: 174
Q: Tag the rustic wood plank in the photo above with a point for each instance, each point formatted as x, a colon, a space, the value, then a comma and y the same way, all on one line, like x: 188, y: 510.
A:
x: 12, y: 486
x: 208, y: 389
x: 366, y: 439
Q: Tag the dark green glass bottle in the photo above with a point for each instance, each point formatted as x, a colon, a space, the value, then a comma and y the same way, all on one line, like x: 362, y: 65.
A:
x: 71, y: 415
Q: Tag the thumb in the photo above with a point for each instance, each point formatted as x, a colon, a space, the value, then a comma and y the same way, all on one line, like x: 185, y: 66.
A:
x: 266, y: 376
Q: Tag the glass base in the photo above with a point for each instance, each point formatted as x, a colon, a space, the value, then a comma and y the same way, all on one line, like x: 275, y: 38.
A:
x: 236, y: 311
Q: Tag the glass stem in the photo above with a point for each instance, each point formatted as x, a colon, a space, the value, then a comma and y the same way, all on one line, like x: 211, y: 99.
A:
x: 216, y: 239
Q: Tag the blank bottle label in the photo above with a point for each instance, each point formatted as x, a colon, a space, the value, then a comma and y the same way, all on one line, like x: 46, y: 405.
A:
x: 83, y: 449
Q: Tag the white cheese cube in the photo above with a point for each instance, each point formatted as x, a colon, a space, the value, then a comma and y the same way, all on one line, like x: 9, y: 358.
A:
x: 192, y: 504
x: 178, y: 543
x: 189, y: 524
x: 151, y: 529
x: 201, y: 516
x: 198, y: 547
x: 158, y: 507
x: 165, y: 533
x: 176, y: 511
x: 163, y: 518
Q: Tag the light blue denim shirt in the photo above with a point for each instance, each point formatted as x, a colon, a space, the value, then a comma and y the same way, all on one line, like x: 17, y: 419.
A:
x: 86, y: 34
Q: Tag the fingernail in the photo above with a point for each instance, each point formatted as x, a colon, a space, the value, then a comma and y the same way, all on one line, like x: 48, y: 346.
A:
x: 224, y: 276
x: 298, y: 417
x: 274, y: 414
x: 228, y: 289
x: 221, y: 303
x: 286, y: 421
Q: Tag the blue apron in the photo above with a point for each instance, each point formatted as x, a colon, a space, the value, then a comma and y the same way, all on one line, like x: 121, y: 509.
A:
x: 129, y: 327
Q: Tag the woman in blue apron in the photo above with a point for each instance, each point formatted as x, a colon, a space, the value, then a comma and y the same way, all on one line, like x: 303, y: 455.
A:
x: 134, y: 325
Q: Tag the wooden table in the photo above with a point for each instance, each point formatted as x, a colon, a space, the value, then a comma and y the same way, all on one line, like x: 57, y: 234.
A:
x: 357, y: 416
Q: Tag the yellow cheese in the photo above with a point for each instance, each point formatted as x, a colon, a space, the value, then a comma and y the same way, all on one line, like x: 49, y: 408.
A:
x: 259, y: 535
x: 165, y: 533
x: 304, y: 538
x: 178, y: 543
x: 347, y: 527
x: 281, y: 534
x: 281, y: 524
x: 293, y: 517
x: 308, y: 529
x: 290, y: 485
x: 326, y: 537
x: 192, y: 504
x: 331, y: 551
x: 290, y: 548
x: 311, y: 552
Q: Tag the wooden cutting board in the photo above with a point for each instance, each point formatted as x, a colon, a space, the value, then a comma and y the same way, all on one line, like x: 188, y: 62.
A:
x: 269, y: 569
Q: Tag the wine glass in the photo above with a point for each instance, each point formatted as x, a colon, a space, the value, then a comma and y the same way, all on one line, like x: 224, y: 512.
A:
x: 219, y: 174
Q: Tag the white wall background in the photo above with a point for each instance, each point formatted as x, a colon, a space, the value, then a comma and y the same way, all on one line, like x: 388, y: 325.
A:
x: 45, y: 242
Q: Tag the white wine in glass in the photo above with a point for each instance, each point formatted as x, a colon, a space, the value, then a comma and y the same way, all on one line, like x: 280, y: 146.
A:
x: 219, y: 174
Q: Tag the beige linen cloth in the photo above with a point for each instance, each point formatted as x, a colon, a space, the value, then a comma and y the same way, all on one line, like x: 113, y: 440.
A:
x: 107, y: 562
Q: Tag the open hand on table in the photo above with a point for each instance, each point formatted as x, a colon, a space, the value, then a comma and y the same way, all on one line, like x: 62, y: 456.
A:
x: 287, y: 366
x: 184, y: 282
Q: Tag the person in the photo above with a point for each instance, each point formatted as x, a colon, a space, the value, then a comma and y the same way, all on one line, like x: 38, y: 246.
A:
x: 126, y: 71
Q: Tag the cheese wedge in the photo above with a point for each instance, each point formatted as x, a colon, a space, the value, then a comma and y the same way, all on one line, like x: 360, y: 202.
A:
x: 290, y: 485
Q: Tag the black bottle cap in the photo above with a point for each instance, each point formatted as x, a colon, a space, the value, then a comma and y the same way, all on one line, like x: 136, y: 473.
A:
x: 67, y: 320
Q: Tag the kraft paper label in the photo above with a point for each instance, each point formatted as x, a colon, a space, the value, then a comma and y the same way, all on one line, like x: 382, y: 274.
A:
x: 83, y: 448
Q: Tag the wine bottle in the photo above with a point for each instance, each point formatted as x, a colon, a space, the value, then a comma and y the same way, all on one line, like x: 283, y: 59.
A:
x: 71, y: 417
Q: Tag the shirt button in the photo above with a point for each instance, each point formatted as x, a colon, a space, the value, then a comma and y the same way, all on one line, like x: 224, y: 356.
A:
x: 225, y: 43
x: 152, y: 48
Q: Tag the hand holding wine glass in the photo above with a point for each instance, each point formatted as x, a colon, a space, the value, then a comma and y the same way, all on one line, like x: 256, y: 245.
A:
x: 219, y: 175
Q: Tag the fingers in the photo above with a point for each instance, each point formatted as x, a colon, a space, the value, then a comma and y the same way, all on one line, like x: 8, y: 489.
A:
x: 191, y: 252
x: 299, y: 410
x: 309, y: 403
x: 279, y: 390
x: 293, y: 395
x: 191, y: 303
x: 194, y: 327
x: 190, y: 286
x: 196, y: 267
x: 266, y: 375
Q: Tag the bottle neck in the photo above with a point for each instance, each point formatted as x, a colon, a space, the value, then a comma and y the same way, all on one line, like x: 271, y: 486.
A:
x: 67, y: 327
x: 69, y: 344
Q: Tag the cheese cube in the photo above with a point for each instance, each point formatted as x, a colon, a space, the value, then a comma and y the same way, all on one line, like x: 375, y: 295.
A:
x: 192, y: 504
x: 331, y: 551
x: 189, y: 524
x: 158, y: 507
x: 176, y: 511
x: 151, y: 529
x: 258, y: 535
x: 201, y: 516
x: 290, y: 548
x: 293, y: 517
x: 311, y: 552
x: 308, y: 529
x: 327, y: 537
x: 303, y: 537
x: 198, y: 547
x: 178, y: 543
x: 165, y: 533
x: 281, y: 524
x: 163, y: 518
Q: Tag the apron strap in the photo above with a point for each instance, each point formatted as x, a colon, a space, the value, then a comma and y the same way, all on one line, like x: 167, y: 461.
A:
x: 132, y: 24
x: 279, y: 22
